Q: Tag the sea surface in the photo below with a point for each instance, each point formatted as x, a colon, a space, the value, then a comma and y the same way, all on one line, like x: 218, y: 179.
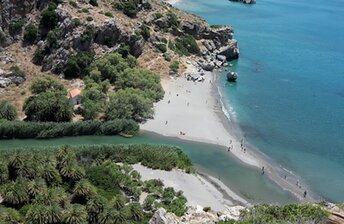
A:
x: 289, y: 98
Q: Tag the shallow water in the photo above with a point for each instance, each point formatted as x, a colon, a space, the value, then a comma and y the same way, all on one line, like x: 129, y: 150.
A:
x: 211, y: 159
x: 289, y: 99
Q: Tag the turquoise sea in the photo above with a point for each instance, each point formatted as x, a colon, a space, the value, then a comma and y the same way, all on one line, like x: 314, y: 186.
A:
x: 289, y: 99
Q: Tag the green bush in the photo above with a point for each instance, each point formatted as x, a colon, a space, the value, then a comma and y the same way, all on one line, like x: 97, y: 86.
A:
x: 172, y: 19
x: 167, y: 57
x: 147, y: 6
x: 7, y: 111
x: 30, y: 33
x: 73, y: 3
x: 158, y: 15
x: 161, y: 47
x: 52, y: 39
x: 89, y: 18
x: 186, y: 45
x: 174, y: 66
x: 145, y: 32
x: 76, y: 22
x: 84, y: 10
x: 38, y: 56
x: 17, y: 71
x: 129, y: 8
x: 108, y: 14
x: 77, y: 66
x: 21, y: 129
x: 49, y: 16
x: 16, y: 26
x: 93, y: 2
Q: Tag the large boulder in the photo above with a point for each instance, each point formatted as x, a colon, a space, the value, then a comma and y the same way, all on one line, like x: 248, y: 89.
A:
x: 109, y: 34
x: 230, y: 51
x: 208, y: 66
x: 162, y: 217
x: 193, y: 29
x: 136, y: 46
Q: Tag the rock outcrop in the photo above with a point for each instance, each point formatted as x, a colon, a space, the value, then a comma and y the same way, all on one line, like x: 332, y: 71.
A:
x: 195, y: 215
x: 9, y: 78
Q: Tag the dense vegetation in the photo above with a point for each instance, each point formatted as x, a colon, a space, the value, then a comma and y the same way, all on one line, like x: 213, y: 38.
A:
x: 131, y: 7
x: 50, y: 102
x: 22, y: 129
x: 293, y: 213
x: 86, y: 184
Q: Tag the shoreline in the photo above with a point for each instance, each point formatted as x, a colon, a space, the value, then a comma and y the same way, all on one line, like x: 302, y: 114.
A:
x: 199, y: 188
x: 206, y: 122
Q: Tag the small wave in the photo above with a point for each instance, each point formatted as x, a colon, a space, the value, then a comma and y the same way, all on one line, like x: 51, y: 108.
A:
x: 228, y: 110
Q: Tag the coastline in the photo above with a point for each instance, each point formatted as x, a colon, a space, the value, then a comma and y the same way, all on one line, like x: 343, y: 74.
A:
x: 199, y: 189
x: 195, y: 109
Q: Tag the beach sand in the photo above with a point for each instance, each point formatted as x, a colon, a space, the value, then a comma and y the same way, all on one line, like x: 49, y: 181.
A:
x: 194, y: 108
x: 199, y: 190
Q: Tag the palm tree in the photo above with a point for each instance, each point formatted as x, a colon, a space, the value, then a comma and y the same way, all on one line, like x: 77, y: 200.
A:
x: 118, y: 202
x: 136, y: 211
x: 4, y: 175
x: 83, y: 190
x: 52, y: 196
x: 42, y: 214
x: 112, y: 216
x: 10, y: 216
x: 15, y: 194
x: 49, y: 173
x: 16, y: 161
x: 75, y: 214
x: 72, y: 172
x: 36, y: 187
x: 95, y: 206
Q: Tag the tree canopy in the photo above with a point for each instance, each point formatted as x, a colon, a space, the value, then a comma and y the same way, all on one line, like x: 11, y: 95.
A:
x: 47, y: 84
x: 129, y: 103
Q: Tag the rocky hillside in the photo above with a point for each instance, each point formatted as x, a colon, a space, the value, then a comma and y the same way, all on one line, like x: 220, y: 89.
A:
x: 47, y: 36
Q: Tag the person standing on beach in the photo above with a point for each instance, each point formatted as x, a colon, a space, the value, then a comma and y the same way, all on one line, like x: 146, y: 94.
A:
x: 263, y: 170
x: 305, y: 194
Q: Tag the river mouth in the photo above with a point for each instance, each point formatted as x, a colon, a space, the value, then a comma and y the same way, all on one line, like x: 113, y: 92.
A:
x: 213, y: 160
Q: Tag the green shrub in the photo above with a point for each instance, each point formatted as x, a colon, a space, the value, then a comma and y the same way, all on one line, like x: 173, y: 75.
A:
x: 7, y: 111
x: 167, y: 57
x: 38, y: 56
x: 147, y: 6
x: 30, y: 34
x: 186, y: 45
x: 73, y: 3
x: 162, y: 47
x: 17, y: 71
x: 77, y: 66
x: 16, y: 26
x: 108, y: 14
x: 84, y: 10
x: 174, y: 66
x: 76, y: 22
x: 49, y: 17
x: 21, y: 129
x: 52, y: 39
x: 89, y: 18
x: 145, y: 32
x: 93, y: 2
x: 172, y: 19
x: 129, y: 8
x: 206, y: 209
x: 158, y: 15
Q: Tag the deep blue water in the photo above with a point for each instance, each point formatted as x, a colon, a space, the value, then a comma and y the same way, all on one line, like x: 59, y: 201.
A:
x: 289, y: 98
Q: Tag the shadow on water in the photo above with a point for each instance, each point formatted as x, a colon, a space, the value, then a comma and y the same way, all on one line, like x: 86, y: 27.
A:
x: 211, y: 159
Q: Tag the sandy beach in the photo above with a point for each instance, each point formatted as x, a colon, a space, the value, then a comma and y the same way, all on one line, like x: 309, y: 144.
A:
x: 196, y: 188
x: 192, y: 111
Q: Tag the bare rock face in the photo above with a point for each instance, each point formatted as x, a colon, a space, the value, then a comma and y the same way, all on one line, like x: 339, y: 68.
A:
x: 8, y: 78
x: 109, y: 34
x: 230, y: 51
x: 162, y: 217
x: 195, y: 215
